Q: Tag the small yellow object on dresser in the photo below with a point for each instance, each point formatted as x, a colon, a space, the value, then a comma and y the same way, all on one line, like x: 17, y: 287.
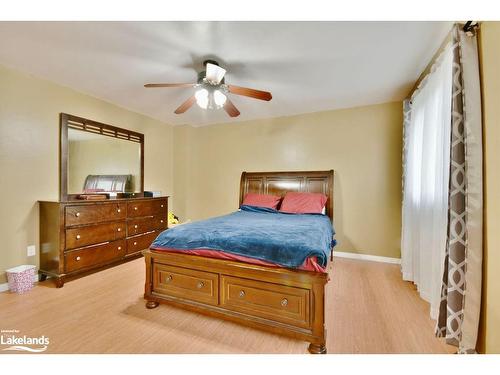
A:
x: 174, y: 220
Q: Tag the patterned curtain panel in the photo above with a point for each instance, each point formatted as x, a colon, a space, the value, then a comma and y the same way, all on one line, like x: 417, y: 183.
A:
x: 458, y: 317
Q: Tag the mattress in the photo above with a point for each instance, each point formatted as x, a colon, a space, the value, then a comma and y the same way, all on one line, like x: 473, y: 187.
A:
x: 256, y: 235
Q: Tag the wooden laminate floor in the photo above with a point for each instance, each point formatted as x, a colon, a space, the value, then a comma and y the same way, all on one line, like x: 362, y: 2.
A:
x: 369, y: 310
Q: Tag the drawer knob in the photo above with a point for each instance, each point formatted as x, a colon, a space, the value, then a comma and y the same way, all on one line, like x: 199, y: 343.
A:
x: 161, y: 221
x: 77, y: 236
x: 119, y: 247
x: 169, y: 278
x: 119, y: 229
x: 119, y: 210
x: 77, y: 259
x: 162, y: 206
x: 135, y: 208
x: 241, y: 294
x: 135, y: 243
x: 136, y: 226
x: 77, y: 214
x: 284, y: 302
x: 200, y: 284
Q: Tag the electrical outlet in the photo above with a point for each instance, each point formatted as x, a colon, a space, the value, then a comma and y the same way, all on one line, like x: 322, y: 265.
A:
x: 31, y: 250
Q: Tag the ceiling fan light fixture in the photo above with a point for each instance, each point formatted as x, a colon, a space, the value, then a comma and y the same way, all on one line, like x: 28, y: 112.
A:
x: 219, y: 98
x: 201, y: 96
x: 214, y: 73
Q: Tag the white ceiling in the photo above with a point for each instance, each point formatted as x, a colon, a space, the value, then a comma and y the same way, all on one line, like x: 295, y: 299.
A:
x: 308, y: 66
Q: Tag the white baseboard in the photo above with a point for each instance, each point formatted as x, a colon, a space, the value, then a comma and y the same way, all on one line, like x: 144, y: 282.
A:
x: 373, y: 258
x: 5, y: 286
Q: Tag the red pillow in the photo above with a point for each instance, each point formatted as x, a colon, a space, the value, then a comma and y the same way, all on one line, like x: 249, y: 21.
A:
x: 303, y: 203
x: 261, y: 200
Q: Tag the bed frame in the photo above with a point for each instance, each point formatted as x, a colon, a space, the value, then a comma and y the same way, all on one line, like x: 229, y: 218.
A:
x: 278, y: 300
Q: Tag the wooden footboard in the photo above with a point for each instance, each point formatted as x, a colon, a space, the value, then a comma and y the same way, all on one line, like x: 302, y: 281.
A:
x: 282, y: 301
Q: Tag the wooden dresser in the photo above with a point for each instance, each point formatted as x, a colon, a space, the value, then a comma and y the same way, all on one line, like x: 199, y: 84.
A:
x: 77, y: 237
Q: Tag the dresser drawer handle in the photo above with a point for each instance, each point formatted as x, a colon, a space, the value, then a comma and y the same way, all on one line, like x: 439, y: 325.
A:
x: 77, y: 214
x: 136, y: 226
x: 284, y: 302
x: 77, y: 259
x: 162, y: 206
x: 135, y: 208
x: 135, y: 243
x: 241, y: 294
x: 161, y: 221
x: 119, y: 210
x: 119, y: 229
x: 200, y: 284
x: 78, y: 236
x: 169, y: 278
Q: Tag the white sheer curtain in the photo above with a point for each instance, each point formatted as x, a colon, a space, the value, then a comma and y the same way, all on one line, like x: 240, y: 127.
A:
x: 427, y: 169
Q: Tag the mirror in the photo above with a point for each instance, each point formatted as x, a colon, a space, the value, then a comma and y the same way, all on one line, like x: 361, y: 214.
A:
x: 98, y: 158
x: 93, y: 160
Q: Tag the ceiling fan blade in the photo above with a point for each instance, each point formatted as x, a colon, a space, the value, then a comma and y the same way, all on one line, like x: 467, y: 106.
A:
x: 214, y: 73
x: 245, y: 91
x: 231, y: 109
x: 149, y: 85
x: 186, y: 105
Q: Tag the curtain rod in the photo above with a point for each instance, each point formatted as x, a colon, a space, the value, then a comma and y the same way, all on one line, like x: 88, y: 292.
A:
x: 469, y: 28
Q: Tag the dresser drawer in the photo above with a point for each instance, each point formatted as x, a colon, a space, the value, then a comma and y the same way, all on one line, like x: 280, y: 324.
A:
x: 93, y: 234
x: 185, y: 283
x: 280, y: 303
x: 141, y: 242
x: 94, y: 255
x: 147, y: 208
x: 95, y: 213
x: 147, y: 224
x: 161, y: 223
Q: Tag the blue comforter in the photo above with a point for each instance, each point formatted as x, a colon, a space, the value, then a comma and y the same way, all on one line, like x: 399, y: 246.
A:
x: 261, y: 233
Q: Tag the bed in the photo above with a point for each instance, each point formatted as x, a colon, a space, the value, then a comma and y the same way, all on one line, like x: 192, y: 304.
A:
x: 277, y: 293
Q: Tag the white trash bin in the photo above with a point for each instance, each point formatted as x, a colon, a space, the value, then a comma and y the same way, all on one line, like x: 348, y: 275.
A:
x: 20, y: 278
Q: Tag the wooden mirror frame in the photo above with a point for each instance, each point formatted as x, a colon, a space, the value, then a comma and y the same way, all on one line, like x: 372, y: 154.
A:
x: 74, y: 122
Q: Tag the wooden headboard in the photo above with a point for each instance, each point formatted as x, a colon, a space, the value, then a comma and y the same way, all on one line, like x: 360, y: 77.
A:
x: 278, y: 183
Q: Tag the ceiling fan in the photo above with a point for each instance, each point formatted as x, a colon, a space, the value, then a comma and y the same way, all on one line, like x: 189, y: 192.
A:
x: 211, y: 90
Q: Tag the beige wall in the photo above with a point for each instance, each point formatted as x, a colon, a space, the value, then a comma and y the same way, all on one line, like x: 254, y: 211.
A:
x: 29, y: 144
x: 362, y: 145
x: 489, y: 340
x: 91, y: 156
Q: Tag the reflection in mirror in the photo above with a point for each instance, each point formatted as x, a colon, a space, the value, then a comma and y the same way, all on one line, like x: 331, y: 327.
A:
x: 98, y: 163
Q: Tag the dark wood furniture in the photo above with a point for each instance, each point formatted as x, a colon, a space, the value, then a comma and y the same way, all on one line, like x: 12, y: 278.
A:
x: 279, y: 300
x: 74, y: 122
x: 81, y: 236
x: 77, y: 237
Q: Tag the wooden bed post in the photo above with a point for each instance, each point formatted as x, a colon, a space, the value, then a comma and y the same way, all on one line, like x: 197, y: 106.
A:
x: 148, y: 285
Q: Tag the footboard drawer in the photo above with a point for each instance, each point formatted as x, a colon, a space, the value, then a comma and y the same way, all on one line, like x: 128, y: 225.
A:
x: 185, y: 283
x: 280, y: 303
